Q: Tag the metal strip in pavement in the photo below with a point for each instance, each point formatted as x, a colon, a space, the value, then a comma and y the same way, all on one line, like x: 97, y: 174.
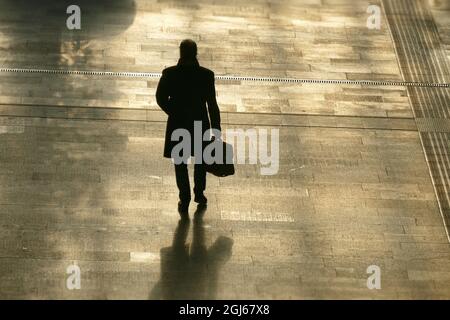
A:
x: 229, y: 78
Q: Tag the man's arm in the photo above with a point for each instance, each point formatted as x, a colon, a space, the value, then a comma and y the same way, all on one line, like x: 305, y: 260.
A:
x: 213, y: 108
x: 162, y: 93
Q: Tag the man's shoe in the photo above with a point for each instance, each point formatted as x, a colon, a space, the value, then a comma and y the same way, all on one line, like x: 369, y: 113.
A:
x: 201, y: 199
x: 183, y: 208
x: 199, y: 213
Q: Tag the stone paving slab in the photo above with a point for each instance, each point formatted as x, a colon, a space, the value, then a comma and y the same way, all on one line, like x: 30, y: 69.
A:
x: 303, y: 39
x: 232, y: 118
x: 237, y: 96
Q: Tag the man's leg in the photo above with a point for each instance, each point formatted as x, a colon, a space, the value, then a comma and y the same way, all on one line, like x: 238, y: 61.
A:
x: 200, y: 183
x: 182, y: 177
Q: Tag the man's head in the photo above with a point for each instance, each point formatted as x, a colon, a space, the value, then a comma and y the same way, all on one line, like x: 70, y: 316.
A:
x: 188, y: 50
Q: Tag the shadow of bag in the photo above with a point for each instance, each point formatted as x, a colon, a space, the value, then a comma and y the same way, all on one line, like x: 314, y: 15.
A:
x: 223, y: 167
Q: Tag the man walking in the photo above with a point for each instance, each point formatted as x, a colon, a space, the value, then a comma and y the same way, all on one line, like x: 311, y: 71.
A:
x: 186, y: 93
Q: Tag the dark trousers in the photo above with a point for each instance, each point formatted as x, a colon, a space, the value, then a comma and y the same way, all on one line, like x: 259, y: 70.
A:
x: 182, y: 176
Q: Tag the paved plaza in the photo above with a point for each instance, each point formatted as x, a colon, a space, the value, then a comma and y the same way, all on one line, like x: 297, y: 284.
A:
x: 364, y: 169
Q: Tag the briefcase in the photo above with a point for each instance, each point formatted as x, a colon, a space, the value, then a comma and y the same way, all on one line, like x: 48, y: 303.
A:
x: 224, y: 166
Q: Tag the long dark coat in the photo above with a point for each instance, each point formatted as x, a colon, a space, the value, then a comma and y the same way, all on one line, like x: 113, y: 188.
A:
x: 186, y: 93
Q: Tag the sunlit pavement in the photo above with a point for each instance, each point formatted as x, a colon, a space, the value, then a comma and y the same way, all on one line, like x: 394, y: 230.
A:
x: 363, y: 169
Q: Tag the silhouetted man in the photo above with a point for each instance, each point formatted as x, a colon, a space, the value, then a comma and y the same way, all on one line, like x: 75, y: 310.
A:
x: 186, y: 92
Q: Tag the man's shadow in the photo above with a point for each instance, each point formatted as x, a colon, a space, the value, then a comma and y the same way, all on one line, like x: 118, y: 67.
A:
x: 190, y: 272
